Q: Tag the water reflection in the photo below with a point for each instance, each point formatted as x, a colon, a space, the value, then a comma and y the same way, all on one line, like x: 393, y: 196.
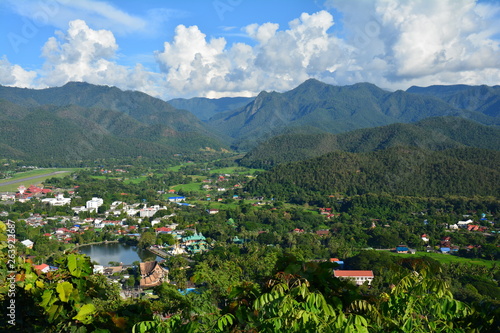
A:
x: 117, y: 252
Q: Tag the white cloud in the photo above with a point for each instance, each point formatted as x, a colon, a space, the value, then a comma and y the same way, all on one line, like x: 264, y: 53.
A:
x: 393, y: 44
x: 15, y: 75
x: 84, y: 54
x: 400, y: 43
x: 280, y: 60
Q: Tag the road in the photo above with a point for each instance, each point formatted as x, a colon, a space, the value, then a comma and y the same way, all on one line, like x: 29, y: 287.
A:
x: 31, y: 178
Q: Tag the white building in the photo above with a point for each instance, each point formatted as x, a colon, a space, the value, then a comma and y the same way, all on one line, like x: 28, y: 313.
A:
x: 357, y: 276
x: 463, y: 224
x: 59, y: 200
x: 94, y: 204
x: 28, y: 243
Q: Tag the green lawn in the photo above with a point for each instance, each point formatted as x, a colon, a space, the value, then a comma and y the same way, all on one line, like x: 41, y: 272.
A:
x: 191, y: 187
x: 449, y: 258
x: 39, y: 173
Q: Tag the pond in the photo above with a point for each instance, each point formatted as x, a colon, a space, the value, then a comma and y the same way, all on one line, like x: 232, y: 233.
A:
x: 118, y: 252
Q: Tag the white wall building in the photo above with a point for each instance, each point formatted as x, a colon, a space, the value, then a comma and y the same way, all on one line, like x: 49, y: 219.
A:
x: 94, y: 204
x: 59, y: 200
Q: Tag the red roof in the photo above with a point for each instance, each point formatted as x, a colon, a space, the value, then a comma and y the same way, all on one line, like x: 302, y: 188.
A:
x: 339, y: 273
x: 41, y: 267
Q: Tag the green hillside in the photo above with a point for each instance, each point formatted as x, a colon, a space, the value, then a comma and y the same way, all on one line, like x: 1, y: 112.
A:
x: 398, y: 171
x: 333, y: 109
x: 206, y: 108
x: 483, y: 98
x: 432, y: 133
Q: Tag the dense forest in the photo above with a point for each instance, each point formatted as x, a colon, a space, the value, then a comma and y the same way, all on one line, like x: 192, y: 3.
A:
x: 432, y: 133
x: 401, y: 171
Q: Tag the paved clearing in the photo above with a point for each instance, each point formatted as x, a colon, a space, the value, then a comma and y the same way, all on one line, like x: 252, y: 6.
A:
x: 30, y: 178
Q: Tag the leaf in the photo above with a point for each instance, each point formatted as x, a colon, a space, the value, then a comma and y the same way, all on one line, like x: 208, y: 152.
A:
x: 85, y: 313
x: 54, y: 311
x: 78, y: 265
x: 64, y: 289
x: 47, y: 299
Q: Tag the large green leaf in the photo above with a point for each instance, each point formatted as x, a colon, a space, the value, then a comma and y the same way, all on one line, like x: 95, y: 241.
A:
x: 85, y: 313
x: 78, y: 265
x: 64, y: 289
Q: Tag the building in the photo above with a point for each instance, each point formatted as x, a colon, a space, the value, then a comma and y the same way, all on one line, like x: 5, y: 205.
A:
x: 59, y: 200
x: 176, y: 199
x: 357, y: 276
x: 152, y: 274
x: 44, y: 268
x: 28, y: 243
x: 94, y: 204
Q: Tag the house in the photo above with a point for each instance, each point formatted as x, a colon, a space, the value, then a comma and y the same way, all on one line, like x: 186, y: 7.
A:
x: 402, y: 249
x: 176, y: 199
x: 322, y: 232
x: 212, y: 211
x: 357, y: 276
x: 338, y: 262
x: 44, y: 268
x: 463, y: 224
x: 152, y: 274
x: 424, y: 238
x: 28, y: 243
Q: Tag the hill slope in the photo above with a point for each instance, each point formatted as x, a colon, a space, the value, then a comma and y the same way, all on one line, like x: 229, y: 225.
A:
x: 326, y: 108
x: 432, y: 133
x: 483, y: 98
x: 399, y: 171
x: 206, y: 108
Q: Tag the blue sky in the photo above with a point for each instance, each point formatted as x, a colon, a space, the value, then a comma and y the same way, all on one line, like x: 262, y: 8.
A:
x: 216, y: 48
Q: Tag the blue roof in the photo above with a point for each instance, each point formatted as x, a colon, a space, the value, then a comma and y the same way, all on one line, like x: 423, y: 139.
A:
x: 402, y: 248
x: 445, y: 249
x: 178, y: 198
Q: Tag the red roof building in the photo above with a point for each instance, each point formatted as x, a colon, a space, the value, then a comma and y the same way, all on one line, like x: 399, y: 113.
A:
x: 357, y: 276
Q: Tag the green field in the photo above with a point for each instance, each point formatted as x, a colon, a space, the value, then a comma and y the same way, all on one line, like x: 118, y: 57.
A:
x: 449, y: 258
x: 191, y: 187
x: 41, y: 174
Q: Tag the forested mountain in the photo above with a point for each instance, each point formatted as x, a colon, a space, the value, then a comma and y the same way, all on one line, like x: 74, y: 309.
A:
x: 397, y: 171
x: 333, y: 109
x: 65, y: 135
x: 137, y: 105
x: 206, y: 108
x: 432, y: 133
x: 483, y: 98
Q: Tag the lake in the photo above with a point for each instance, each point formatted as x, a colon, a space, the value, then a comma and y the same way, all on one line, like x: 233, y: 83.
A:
x: 126, y: 254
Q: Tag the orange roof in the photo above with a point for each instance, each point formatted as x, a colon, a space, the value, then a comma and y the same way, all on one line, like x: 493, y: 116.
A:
x: 339, y: 273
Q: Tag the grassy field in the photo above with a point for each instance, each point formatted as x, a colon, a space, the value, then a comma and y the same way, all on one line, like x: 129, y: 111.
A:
x: 448, y: 258
x: 41, y: 174
x: 191, y: 187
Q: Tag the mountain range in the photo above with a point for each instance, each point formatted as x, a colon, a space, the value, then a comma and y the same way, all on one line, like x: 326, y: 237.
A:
x: 321, y: 107
x: 82, y: 121
x: 130, y: 123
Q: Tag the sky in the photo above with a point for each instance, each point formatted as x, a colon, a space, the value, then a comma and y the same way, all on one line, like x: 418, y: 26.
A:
x: 220, y: 48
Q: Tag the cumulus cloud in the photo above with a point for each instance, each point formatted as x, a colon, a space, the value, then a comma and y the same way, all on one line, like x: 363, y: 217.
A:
x: 84, y: 54
x: 15, y: 75
x: 421, y: 42
x: 280, y: 59
x: 393, y: 44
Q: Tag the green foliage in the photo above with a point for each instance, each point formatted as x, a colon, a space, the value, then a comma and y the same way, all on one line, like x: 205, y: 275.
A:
x: 399, y: 171
x: 432, y: 133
